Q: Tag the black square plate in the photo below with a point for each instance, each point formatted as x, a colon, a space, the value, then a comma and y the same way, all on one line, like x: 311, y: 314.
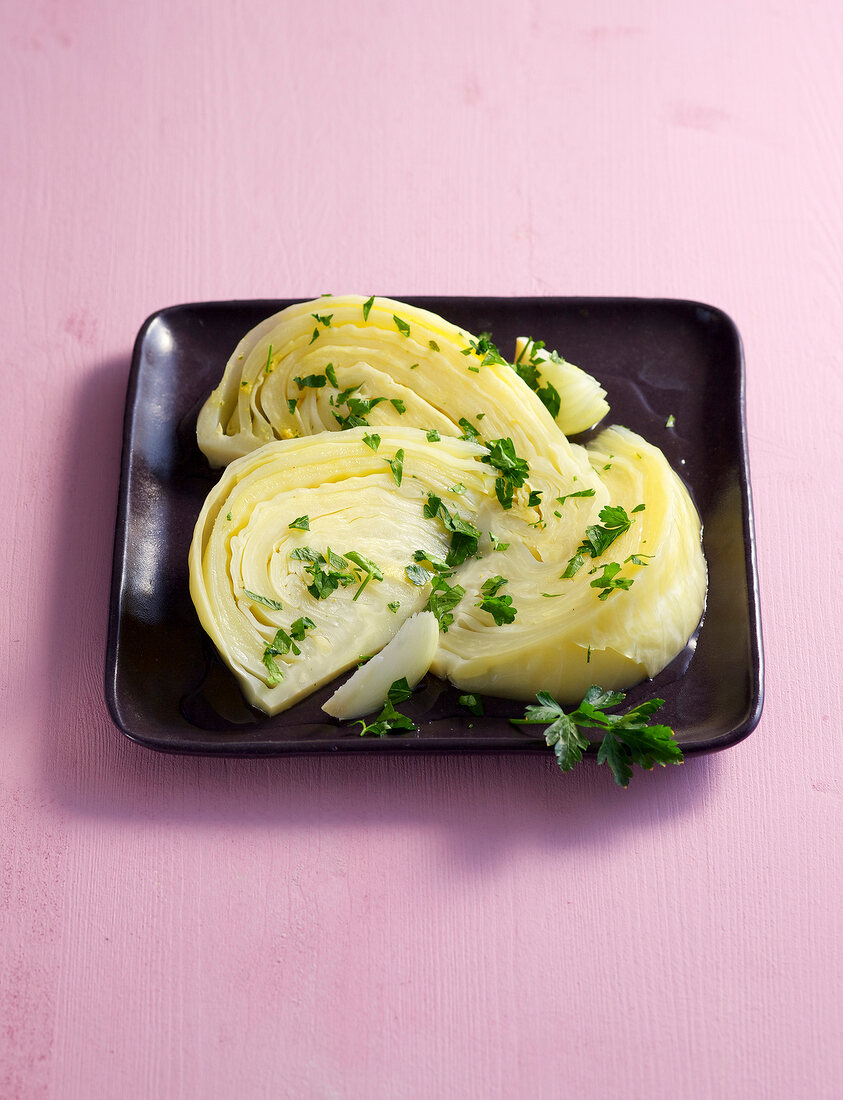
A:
x: 657, y: 358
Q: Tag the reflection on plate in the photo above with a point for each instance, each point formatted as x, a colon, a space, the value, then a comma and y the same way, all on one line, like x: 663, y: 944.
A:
x: 661, y: 361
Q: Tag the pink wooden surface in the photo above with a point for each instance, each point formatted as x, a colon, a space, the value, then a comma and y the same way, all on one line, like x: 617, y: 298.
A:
x: 401, y: 928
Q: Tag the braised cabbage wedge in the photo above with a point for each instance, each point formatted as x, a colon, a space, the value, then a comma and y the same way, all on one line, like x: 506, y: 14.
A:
x: 381, y: 462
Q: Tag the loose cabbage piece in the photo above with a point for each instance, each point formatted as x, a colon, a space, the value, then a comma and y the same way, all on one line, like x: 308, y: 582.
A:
x: 574, y: 398
x: 407, y: 656
x: 341, y: 362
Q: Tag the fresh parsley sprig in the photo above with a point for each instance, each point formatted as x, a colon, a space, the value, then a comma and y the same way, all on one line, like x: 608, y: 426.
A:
x: 628, y: 738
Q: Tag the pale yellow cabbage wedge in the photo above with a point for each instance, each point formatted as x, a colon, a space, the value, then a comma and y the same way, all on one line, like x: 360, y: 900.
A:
x: 240, y: 557
x: 410, y: 358
x: 564, y: 637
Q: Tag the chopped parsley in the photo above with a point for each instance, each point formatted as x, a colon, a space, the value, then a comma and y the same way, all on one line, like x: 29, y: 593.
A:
x: 433, y: 436
x: 329, y: 571
x: 373, y: 440
x: 499, y: 607
x: 433, y: 345
x: 401, y: 325
x: 368, y: 567
x: 443, y: 599
x: 469, y: 431
x: 389, y: 720
x: 311, y: 381
x: 628, y: 738
x: 398, y: 404
x: 417, y: 574
x: 609, y: 581
x: 396, y: 464
x: 570, y: 496
x: 485, y: 350
x: 367, y: 305
x: 275, y: 605
x: 331, y: 374
x: 464, y: 535
x: 268, y: 367
x: 324, y: 319
x: 302, y: 523
x: 599, y: 538
x: 513, y: 470
x: 282, y: 644
x: 292, y: 405
x: 471, y: 703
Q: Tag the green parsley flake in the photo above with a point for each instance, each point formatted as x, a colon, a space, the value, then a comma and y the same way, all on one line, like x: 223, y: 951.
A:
x: 275, y: 605
x: 609, y: 581
x: 499, y: 607
x: 302, y: 523
x: 471, y: 703
x: 373, y: 440
x: 397, y: 465
x: 401, y: 325
x: 367, y: 306
x: 599, y: 538
x: 311, y: 381
x: 570, y: 496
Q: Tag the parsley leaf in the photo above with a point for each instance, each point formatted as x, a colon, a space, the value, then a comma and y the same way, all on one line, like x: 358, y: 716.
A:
x: 390, y: 720
x: 514, y: 470
x: 599, y: 538
x: 485, y: 350
x: 367, y: 305
x: 609, y: 581
x: 331, y: 374
x: 282, y: 644
x: 472, y: 703
x: 302, y: 523
x: 469, y: 431
x: 265, y: 600
x: 628, y: 738
x: 581, y: 493
x: 401, y: 325
x: 373, y: 440
x: 433, y: 345
x: 396, y: 464
x: 464, y: 535
x: 433, y: 436
x: 313, y: 381
x: 443, y: 599
x: 499, y: 607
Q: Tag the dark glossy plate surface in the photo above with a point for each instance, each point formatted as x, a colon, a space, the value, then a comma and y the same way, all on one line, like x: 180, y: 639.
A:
x: 167, y: 689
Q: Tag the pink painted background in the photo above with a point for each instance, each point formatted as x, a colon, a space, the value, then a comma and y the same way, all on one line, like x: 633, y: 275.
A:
x: 413, y: 928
